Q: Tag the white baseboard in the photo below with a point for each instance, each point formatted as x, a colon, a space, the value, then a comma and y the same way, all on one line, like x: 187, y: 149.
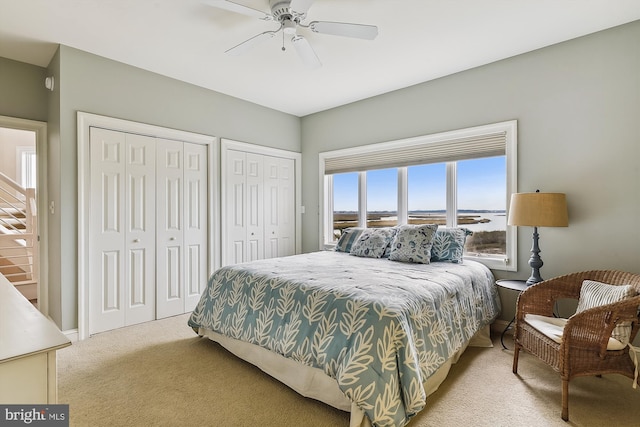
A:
x: 72, y: 334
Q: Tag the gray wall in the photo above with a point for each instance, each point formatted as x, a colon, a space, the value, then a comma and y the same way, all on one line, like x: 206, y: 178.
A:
x: 89, y: 83
x: 578, y: 110
x: 22, y: 92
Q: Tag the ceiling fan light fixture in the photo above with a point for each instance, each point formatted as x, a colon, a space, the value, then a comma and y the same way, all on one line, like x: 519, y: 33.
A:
x: 289, y: 26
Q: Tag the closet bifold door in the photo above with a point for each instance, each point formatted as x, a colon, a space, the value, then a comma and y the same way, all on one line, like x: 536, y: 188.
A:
x: 244, y: 208
x: 255, y: 207
x: 196, y: 225
x: 234, y: 205
x: 279, y: 197
x: 169, y: 228
x: 121, y: 230
x: 181, y: 225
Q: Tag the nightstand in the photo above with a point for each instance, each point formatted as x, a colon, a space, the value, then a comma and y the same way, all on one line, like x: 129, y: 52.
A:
x: 514, y: 285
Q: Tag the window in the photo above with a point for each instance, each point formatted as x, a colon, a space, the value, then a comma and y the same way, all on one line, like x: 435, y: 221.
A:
x: 482, y: 207
x: 382, y: 198
x: 27, y: 166
x: 426, y: 194
x: 345, y: 202
x: 461, y: 178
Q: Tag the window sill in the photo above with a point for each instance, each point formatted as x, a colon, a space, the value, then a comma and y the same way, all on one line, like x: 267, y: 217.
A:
x: 493, y: 262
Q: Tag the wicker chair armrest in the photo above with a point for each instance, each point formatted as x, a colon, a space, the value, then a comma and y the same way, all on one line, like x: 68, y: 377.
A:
x: 541, y: 297
x: 592, y: 328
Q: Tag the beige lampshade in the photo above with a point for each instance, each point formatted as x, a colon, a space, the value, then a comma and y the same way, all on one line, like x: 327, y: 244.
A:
x: 538, y: 210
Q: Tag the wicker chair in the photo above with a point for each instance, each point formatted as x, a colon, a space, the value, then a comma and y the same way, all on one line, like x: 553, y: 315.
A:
x: 583, y: 347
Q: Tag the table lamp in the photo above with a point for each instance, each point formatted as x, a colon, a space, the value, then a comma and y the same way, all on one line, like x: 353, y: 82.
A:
x: 537, y: 210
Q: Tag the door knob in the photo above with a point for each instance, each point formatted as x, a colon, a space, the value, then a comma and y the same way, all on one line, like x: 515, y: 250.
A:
x: 172, y: 238
x: 136, y: 240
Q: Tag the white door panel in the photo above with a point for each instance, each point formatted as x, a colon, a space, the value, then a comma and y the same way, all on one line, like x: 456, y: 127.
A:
x: 169, y: 228
x: 196, y: 226
x: 271, y: 206
x: 279, y: 207
x: 286, y: 208
x: 255, y: 207
x: 140, y: 241
x: 107, y: 231
x: 234, y: 232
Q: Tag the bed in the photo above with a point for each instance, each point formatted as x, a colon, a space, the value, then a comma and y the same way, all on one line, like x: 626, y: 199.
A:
x: 363, y: 334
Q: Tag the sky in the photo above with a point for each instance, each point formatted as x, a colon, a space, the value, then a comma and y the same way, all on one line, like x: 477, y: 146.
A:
x: 481, y: 186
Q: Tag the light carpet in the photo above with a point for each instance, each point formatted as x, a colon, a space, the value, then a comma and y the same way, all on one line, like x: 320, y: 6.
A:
x: 161, y: 373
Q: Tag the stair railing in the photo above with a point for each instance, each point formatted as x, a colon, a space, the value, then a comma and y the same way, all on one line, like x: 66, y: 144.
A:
x: 18, y: 232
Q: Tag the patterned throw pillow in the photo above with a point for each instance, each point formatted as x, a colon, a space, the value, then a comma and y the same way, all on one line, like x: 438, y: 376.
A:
x: 593, y: 294
x: 448, y: 244
x: 413, y: 243
x: 348, y: 238
x: 373, y: 242
x: 387, y: 251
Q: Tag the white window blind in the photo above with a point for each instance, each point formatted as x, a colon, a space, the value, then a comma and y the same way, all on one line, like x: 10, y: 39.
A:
x: 417, y: 151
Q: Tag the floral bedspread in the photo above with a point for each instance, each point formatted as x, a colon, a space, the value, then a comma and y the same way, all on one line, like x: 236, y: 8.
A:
x: 379, y: 327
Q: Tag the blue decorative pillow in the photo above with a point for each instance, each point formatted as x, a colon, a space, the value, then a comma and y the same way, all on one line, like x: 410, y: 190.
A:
x: 448, y: 244
x: 348, y: 238
x: 373, y: 242
x: 413, y: 243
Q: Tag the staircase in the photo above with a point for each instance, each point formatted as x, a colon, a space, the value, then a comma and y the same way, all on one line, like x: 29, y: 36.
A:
x: 19, y: 237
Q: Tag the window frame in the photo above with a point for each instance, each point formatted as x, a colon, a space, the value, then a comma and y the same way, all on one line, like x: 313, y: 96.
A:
x: 25, y: 164
x: 507, y: 262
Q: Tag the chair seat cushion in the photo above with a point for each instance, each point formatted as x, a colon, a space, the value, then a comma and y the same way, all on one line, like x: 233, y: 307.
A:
x: 553, y: 327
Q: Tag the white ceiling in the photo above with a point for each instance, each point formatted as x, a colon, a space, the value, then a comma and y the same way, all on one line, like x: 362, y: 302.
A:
x: 419, y: 40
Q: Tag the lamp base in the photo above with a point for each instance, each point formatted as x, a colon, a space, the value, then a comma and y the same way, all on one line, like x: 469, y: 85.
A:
x: 533, y: 280
x: 535, y: 262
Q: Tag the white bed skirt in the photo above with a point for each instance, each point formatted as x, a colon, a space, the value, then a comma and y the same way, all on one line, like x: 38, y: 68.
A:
x: 314, y: 383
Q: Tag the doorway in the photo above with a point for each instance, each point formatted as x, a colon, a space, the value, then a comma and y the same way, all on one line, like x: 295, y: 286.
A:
x: 22, y: 204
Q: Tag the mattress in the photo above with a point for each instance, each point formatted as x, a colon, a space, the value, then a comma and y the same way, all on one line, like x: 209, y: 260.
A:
x: 378, y: 329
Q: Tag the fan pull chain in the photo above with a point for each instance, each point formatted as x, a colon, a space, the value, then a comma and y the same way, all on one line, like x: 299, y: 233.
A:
x: 283, y: 48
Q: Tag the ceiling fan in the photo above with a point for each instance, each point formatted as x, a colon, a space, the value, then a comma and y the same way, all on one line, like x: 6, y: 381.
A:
x: 290, y: 14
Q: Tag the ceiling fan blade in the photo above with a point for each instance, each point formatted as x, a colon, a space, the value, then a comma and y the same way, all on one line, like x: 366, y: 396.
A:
x: 300, y: 7
x: 306, y: 52
x: 248, y: 44
x: 361, y: 31
x: 238, y: 8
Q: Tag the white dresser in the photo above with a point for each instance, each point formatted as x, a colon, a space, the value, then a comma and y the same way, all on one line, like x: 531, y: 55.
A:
x: 28, y: 344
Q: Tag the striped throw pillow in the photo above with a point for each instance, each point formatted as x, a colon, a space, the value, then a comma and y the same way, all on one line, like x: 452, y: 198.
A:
x: 348, y: 238
x: 594, y: 294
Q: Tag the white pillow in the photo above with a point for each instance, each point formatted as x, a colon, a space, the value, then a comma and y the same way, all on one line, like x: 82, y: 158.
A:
x: 594, y: 294
x: 553, y: 327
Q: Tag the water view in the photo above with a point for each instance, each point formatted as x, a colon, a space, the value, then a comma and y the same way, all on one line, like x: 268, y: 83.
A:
x: 488, y: 227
